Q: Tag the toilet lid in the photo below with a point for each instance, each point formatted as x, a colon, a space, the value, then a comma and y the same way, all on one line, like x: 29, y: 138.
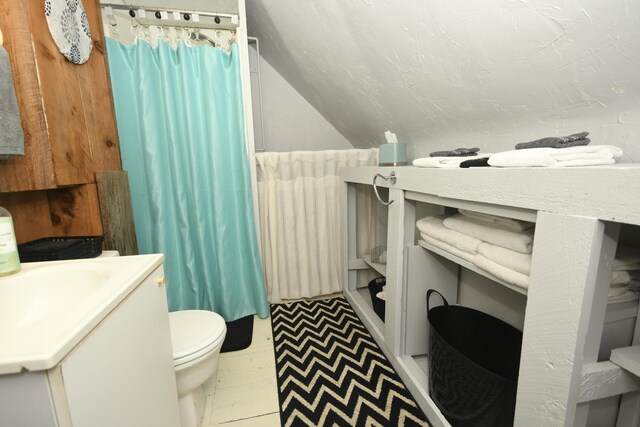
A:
x: 195, y: 332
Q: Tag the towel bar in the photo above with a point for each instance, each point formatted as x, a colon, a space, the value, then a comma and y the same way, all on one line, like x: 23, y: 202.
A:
x: 391, y: 178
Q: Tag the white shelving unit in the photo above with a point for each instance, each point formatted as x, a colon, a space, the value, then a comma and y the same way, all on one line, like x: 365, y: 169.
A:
x: 470, y: 266
x: 578, y: 213
x: 380, y: 268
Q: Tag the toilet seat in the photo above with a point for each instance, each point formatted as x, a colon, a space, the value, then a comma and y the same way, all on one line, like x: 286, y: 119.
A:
x: 195, y: 333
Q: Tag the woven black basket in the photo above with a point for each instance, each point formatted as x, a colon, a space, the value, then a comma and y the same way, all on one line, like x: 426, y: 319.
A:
x: 375, y: 286
x: 474, y: 361
x: 60, y: 248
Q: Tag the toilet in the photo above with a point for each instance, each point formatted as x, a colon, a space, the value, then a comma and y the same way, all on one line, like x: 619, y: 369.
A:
x: 197, y: 337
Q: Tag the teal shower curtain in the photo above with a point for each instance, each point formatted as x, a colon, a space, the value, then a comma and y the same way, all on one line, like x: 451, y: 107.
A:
x: 180, y: 122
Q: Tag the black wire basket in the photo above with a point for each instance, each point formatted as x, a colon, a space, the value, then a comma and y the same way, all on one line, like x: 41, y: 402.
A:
x: 60, y: 248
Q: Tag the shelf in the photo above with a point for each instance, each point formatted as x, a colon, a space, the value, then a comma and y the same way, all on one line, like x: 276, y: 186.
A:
x: 380, y: 268
x: 466, y: 264
x: 628, y: 358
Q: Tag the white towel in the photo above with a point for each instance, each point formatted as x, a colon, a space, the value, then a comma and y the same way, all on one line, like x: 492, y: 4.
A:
x: 446, y: 161
x: 433, y: 226
x: 513, y: 224
x: 518, y: 241
x: 501, y: 272
x: 634, y: 266
x: 506, y: 257
x: 447, y: 247
x: 624, y: 277
x: 622, y: 295
x: 627, y: 258
x: 585, y: 155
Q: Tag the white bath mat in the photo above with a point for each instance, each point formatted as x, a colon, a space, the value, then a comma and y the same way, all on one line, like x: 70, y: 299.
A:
x: 69, y: 27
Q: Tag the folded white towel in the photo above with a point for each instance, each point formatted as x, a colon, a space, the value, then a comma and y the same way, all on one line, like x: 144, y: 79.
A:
x: 634, y: 266
x: 622, y: 295
x: 620, y: 278
x: 624, y: 277
x: 506, y: 257
x: 513, y: 224
x: 626, y: 258
x: 433, y: 226
x: 446, y: 161
x: 501, y: 272
x: 521, y: 241
x: 447, y: 247
x: 585, y: 155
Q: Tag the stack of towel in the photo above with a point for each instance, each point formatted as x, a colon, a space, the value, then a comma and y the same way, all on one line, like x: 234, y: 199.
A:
x: 501, y: 246
x: 564, y: 151
x: 447, y: 161
x: 587, y: 155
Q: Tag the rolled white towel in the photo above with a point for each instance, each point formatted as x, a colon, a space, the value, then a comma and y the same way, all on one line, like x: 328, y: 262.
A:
x: 624, y: 277
x: 521, y: 241
x: 627, y: 258
x: 501, y: 272
x: 433, y: 226
x: 447, y: 247
x: 446, y: 161
x: 510, y: 223
x: 585, y: 155
x: 506, y: 257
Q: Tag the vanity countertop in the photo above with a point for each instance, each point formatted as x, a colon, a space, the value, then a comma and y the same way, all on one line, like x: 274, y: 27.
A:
x: 49, y: 307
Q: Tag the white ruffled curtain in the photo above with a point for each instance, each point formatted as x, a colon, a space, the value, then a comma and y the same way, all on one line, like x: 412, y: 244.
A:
x: 302, y: 202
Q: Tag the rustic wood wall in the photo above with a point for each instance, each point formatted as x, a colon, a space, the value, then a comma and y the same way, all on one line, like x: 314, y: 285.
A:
x: 69, y: 125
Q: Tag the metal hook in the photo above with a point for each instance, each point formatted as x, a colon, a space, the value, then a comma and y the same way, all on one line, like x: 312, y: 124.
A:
x: 391, y: 178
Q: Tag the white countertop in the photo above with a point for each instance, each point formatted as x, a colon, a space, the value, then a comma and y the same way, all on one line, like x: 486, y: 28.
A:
x: 608, y: 192
x: 41, y: 344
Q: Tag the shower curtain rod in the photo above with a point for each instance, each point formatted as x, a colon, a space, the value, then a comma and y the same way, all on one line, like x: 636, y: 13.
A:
x: 189, y: 16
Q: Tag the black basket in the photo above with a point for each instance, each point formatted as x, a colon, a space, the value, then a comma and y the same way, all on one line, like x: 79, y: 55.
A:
x: 375, y: 286
x: 474, y: 361
x: 60, y: 248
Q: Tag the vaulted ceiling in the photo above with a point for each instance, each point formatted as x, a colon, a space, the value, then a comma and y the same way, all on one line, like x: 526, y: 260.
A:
x: 449, y: 73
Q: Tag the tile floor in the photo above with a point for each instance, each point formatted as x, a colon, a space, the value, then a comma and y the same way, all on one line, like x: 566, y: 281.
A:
x: 246, y: 391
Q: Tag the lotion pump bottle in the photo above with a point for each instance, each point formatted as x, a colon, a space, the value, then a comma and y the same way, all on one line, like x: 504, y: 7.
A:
x: 9, y: 259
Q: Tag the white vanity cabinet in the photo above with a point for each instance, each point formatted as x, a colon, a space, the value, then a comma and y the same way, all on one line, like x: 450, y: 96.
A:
x: 566, y: 378
x: 120, y: 374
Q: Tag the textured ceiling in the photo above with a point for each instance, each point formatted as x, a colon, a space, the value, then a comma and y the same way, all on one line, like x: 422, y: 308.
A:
x: 462, y: 72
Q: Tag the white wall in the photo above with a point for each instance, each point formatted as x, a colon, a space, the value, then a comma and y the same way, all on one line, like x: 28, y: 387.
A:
x: 290, y: 123
x: 443, y: 74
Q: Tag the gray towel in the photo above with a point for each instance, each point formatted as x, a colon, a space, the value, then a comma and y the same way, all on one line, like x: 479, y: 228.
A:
x: 11, y: 137
x: 458, y: 152
x: 557, y: 142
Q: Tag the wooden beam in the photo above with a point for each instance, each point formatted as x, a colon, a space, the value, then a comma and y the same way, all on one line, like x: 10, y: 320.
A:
x: 117, y: 212
x: 605, y: 379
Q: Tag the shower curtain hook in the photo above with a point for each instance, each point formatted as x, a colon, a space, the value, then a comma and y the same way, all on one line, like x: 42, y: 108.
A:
x: 173, y: 35
x: 135, y: 32
x: 146, y: 33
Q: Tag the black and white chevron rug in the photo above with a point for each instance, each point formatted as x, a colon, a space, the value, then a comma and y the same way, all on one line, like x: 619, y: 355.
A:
x: 332, y: 373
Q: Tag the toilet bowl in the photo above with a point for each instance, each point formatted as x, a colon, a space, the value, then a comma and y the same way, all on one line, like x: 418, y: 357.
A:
x: 197, y: 337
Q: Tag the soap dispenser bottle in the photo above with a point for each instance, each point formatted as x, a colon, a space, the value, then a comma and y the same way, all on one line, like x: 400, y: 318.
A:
x: 9, y: 259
